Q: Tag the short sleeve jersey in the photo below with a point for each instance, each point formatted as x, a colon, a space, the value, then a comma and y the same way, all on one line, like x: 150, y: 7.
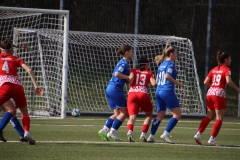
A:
x: 141, y: 80
x: 8, y: 69
x: 123, y: 68
x: 218, y: 78
x: 167, y: 67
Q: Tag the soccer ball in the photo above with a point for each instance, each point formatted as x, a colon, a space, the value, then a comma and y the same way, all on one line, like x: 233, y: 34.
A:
x: 76, y: 112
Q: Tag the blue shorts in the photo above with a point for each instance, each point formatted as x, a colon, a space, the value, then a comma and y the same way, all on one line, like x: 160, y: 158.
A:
x: 166, y: 99
x: 115, y: 97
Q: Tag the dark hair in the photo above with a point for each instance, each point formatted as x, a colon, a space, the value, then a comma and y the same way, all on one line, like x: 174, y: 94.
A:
x: 166, y: 53
x: 142, y: 63
x: 221, y: 56
x: 124, y: 49
x: 6, y: 44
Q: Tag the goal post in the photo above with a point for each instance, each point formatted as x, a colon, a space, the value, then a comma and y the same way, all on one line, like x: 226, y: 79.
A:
x: 29, y: 18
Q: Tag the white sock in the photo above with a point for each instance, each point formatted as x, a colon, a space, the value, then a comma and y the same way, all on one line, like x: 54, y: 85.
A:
x: 112, y: 131
x: 199, y: 133
x: 105, y: 129
x: 166, y: 133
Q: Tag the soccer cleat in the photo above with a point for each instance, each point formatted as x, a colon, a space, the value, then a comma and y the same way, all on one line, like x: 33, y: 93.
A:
x: 150, y: 139
x: 113, y: 136
x: 2, y: 138
x: 103, y: 135
x: 166, y: 138
x: 198, y: 139
x: 213, y: 142
x: 30, y: 141
x: 22, y: 139
x: 143, y: 137
x: 130, y: 136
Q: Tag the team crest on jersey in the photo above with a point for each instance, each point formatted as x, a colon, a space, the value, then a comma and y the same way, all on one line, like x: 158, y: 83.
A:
x: 120, y: 69
x: 169, y: 70
x: 229, y: 72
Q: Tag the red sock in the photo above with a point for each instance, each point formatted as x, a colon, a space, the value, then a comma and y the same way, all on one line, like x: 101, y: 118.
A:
x: 145, y: 128
x: 216, y: 128
x: 203, y: 125
x: 130, y: 127
x: 26, y: 123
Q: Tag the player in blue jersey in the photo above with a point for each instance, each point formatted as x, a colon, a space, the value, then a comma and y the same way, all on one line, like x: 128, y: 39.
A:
x: 115, y: 95
x: 165, y: 94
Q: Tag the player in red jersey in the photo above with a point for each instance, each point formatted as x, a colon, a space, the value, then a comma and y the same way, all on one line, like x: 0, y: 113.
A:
x: 11, y: 87
x: 217, y: 79
x: 138, y: 97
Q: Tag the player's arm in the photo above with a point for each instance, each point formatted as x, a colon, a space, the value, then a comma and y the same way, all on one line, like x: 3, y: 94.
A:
x: 131, y: 78
x: 232, y: 84
x: 38, y: 90
x: 172, y: 80
x: 207, y: 82
x: 153, y: 81
x: 121, y: 76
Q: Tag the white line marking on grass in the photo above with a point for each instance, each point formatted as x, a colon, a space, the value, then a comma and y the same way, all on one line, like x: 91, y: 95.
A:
x: 114, y: 142
x: 77, y: 125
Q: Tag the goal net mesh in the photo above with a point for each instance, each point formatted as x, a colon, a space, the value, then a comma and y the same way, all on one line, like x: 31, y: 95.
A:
x: 91, y: 60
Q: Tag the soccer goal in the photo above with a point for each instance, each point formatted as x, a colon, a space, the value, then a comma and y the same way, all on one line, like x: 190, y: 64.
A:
x: 54, y: 82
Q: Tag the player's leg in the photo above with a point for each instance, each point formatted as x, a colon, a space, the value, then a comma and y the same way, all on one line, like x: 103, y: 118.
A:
x: 145, y: 126
x: 10, y: 110
x: 133, y: 110
x: 173, y: 105
x: 21, y: 103
x: 146, y: 106
x: 16, y: 124
x: 220, y: 109
x: 117, y: 123
x: 103, y: 132
x: 206, y: 120
x: 161, y: 108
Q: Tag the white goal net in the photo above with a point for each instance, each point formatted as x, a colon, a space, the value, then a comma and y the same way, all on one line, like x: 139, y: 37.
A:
x: 53, y: 103
x: 91, y: 60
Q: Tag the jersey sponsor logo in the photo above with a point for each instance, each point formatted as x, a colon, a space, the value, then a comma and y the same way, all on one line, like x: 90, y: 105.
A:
x: 120, y: 69
x: 216, y: 92
x: 9, y: 78
x: 217, y: 71
x: 6, y: 59
x: 142, y: 89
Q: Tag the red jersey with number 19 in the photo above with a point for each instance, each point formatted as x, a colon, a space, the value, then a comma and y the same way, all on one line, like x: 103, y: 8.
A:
x: 218, y: 77
x: 8, y: 69
x: 141, y: 80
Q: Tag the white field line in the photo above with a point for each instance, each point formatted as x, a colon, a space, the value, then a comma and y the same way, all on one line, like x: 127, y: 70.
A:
x: 67, y: 125
x: 96, y: 142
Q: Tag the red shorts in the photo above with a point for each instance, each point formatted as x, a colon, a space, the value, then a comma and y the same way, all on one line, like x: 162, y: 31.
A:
x: 14, y: 91
x: 138, y: 101
x: 215, y: 102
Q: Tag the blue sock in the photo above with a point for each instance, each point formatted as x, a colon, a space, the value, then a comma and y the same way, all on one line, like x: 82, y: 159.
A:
x: 109, y: 122
x: 5, y: 119
x: 154, y: 127
x: 171, y: 124
x: 16, y: 124
x: 116, y: 124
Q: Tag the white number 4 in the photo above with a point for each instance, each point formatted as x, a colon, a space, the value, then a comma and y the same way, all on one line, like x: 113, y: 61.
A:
x: 5, y: 67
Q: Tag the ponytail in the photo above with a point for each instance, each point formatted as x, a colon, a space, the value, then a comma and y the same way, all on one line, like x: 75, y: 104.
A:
x: 166, y: 53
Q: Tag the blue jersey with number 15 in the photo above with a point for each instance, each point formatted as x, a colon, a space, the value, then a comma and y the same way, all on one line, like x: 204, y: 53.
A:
x: 167, y: 67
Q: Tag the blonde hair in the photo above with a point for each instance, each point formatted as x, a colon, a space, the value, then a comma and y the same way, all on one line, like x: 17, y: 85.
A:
x: 166, y: 53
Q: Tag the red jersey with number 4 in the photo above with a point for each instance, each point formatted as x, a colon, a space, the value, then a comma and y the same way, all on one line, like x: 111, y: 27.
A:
x: 141, y: 80
x: 8, y: 69
x: 218, y: 77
